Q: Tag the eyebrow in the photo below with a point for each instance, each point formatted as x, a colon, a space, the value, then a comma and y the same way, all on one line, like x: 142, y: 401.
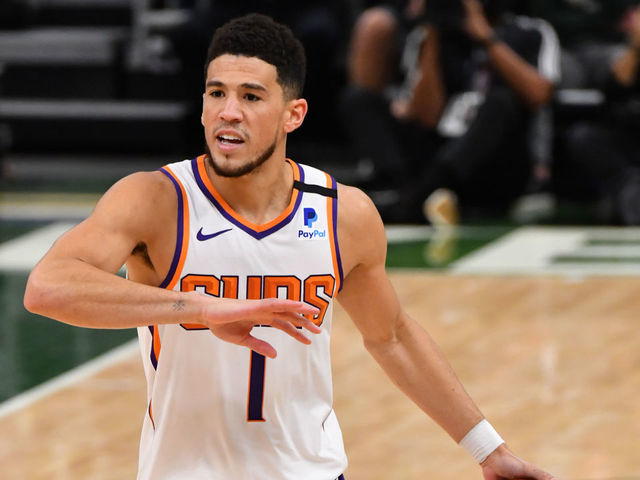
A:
x: 250, y: 86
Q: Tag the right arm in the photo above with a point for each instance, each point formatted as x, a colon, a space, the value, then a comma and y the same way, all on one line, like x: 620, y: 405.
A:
x: 76, y: 280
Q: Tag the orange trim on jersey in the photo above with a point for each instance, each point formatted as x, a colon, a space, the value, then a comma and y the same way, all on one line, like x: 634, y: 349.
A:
x: 332, y: 236
x: 311, y: 285
x: 185, y: 231
x: 151, y: 416
x: 273, y: 282
x: 258, y: 228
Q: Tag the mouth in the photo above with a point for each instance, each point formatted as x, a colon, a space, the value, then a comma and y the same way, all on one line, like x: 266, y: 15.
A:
x: 227, y: 139
x: 227, y: 142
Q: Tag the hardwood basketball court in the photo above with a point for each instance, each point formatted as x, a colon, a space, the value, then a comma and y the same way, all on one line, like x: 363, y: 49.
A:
x: 553, y: 362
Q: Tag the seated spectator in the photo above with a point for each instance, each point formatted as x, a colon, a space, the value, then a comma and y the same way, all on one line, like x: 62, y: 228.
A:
x: 588, y: 30
x: 475, y: 76
x: 607, y: 149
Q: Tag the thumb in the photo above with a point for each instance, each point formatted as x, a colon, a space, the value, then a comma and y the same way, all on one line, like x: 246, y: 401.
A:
x: 259, y: 346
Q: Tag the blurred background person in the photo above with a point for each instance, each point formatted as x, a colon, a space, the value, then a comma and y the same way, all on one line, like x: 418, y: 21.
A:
x: 604, y: 150
x: 475, y: 75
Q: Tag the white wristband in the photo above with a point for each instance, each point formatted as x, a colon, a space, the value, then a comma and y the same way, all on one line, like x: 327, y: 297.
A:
x: 481, y: 441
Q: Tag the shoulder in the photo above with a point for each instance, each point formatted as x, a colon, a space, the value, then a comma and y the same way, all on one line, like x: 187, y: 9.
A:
x: 143, y: 188
x: 360, y: 229
x: 138, y: 199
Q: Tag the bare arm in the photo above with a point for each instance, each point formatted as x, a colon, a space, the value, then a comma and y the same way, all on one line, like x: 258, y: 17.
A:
x: 398, y: 343
x: 429, y: 96
x: 404, y: 350
x: 534, y: 89
x: 76, y: 281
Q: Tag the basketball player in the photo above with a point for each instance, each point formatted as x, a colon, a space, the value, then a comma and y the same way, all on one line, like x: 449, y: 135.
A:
x: 220, y: 250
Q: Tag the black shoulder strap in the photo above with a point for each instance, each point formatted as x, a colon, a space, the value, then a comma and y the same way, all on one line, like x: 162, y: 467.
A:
x: 305, y: 187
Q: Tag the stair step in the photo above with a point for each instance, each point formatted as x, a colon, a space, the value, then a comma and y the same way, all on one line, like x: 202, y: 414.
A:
x: 91, y: 110
x: 107, y: 126
x: 61, y: 62
x: 61, y: 46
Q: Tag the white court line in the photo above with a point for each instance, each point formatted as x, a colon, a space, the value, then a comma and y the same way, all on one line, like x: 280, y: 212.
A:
x: 608, y: 251
x: 536, y: 250
x: 23, y: 252
x: 69, y: 378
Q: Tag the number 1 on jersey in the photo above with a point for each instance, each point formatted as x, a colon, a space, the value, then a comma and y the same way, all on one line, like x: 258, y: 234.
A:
x: 256, y: 388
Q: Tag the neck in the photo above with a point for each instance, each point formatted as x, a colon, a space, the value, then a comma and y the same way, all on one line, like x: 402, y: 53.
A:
x: 261, y: 195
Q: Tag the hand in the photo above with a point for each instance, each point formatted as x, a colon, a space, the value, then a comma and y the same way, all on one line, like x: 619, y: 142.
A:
x: 401, y: 109
x: 414, y: 9
x: 475, y: 22
x: 502, y: 464
x: 232, y: 321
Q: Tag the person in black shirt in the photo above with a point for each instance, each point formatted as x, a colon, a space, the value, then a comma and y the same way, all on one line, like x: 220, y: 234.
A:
x: 464, y: 117
x: 606, y: 150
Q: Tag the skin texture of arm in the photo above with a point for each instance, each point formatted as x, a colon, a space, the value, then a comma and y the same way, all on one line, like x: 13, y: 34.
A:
x: 428, y: 97
x: 134, y: 223
x: 403, y: 349
x: 535, y: 90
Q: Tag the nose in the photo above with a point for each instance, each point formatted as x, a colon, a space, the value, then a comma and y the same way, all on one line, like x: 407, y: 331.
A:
x: 231, y: 110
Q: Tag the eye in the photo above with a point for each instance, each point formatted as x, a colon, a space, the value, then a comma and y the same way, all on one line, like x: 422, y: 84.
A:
x: 251, y: 97
x: 216, y: 93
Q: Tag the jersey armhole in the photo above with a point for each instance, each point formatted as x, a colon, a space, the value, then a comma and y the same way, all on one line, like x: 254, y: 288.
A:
x: 332, y: 212
x: 182, y: 230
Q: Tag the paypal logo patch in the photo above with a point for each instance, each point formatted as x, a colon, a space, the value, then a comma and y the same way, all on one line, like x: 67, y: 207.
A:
x: 310, y: 216
x: 309, y: 233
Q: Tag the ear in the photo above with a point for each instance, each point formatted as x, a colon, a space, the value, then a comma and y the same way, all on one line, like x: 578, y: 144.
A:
x: 296, y: 111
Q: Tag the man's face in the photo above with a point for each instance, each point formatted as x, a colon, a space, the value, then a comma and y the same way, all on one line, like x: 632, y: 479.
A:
x: 244, y: 113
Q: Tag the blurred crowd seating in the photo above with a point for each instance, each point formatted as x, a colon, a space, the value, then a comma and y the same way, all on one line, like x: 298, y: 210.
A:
x: 121, y: 78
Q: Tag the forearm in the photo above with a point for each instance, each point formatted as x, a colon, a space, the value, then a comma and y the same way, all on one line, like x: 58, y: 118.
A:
x: 428, y: 96
x: 523, y: 78
x: 77, y: 293
x: 415, y: 364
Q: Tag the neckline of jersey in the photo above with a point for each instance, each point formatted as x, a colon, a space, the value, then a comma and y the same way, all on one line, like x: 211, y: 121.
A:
x: 256, y: 231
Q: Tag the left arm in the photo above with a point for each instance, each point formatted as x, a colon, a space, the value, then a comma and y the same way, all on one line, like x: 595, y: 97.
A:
x: 404, y: 350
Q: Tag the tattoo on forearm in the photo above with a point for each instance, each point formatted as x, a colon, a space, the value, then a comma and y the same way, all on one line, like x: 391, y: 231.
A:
x: 178, y: 306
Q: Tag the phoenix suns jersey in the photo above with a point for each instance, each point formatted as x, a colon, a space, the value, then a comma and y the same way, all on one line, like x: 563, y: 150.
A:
x: 218, y: 411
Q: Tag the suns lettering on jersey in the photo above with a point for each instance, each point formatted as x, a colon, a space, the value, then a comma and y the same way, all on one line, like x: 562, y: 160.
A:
x: 316, y: 290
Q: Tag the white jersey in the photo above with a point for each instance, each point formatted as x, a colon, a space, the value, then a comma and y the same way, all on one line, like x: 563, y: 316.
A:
x: 219, y: 411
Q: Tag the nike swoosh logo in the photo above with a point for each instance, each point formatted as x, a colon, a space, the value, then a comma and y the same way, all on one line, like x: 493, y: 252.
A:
x: 206, y: 236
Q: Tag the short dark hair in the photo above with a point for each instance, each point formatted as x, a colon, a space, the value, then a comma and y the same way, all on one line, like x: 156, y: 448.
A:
x: 256, y: 35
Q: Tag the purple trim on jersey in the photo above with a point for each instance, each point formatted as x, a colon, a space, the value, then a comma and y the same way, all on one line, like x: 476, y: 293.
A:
x: 179, y: 239
x: 334, y: 202
x: 255, y: 234
x: 153, y: 356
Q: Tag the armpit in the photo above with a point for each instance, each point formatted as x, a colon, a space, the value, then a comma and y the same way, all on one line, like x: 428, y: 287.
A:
x: 141, y: 251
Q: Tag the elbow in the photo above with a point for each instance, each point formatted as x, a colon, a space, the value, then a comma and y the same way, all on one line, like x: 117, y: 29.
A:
x: 380, y: 342
x: 541, y: 95
x: 384, y: 340
x: 36, y: 299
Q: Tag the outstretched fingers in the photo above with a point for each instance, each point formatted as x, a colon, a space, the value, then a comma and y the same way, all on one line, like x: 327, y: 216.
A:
x: 296, y: 313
